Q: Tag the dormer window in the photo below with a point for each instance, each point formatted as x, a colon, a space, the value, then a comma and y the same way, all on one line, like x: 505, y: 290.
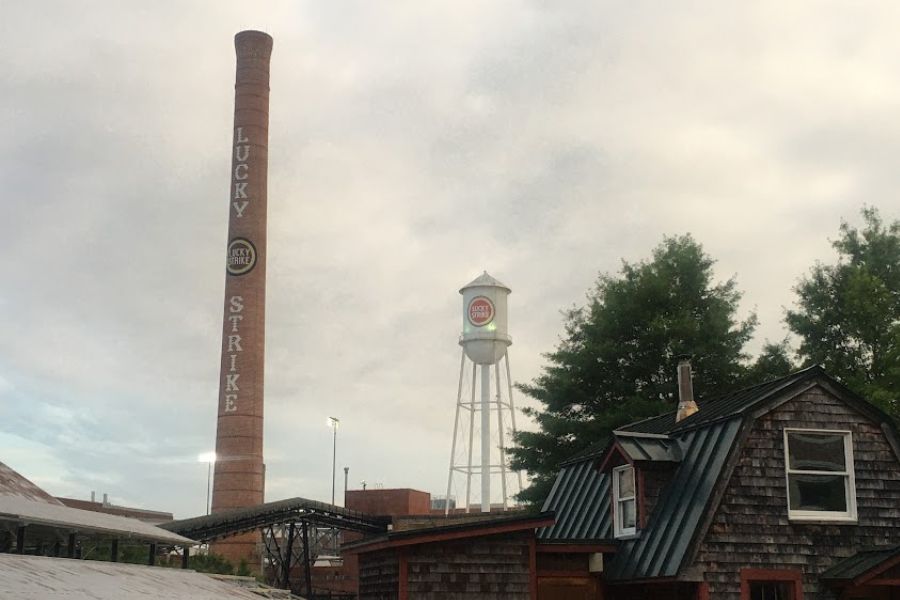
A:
x: 819, y: 471
x: 624, y: 501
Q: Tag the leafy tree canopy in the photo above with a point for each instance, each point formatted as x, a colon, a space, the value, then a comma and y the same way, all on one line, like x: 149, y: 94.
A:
x: 616, y: 362
x: 848, y: 314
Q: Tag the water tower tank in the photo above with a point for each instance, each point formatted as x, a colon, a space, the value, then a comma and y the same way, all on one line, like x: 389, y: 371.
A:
x: 484, y: 335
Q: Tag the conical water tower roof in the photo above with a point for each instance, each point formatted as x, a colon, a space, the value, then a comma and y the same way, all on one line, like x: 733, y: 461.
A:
x: 484, y: 280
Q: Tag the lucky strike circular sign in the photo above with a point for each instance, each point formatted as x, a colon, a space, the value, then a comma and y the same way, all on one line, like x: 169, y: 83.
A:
x: 480, y: 311
x: 241, y: 256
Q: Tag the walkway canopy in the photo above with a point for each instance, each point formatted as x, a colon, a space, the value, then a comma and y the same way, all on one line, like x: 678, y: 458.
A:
x: 233, y: 521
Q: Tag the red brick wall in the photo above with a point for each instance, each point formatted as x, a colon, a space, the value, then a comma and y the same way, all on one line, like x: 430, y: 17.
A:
x: 389, y: 502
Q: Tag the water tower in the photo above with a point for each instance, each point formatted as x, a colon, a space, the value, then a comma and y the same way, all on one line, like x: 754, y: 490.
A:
x: 485, y: 343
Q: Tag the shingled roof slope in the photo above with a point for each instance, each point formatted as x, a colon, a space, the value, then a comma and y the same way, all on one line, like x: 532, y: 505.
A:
x: 13, y: 483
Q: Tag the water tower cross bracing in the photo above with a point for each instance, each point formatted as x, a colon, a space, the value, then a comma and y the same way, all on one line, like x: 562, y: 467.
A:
x: 485, y: 343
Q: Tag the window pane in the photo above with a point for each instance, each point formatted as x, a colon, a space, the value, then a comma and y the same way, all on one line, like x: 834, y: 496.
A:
x: 818, y: 492
x: 626, y: 483
x: 816, y: 451
x: 773, y: 590
x: 628, y: 514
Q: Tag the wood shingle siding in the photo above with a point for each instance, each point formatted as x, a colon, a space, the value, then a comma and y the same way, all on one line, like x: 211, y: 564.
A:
x: 491, y: 568
x: 750, y: 527
x: 379, y: 576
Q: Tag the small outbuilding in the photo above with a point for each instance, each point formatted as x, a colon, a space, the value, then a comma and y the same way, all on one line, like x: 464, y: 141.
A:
x: 489, y: 558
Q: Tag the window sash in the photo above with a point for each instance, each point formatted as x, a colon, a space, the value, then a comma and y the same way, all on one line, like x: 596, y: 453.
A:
x: 619, y: 502
x: 847, y: 474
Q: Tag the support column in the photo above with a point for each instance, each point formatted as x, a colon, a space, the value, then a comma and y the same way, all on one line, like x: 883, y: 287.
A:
x: 485, y: 438
x: 286, y: 562
x: 20, y: 540
x: 306, y: 561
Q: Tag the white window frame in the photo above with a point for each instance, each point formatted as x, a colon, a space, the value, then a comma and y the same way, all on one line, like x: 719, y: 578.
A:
x: 848, y: 474
x: 618, y: 514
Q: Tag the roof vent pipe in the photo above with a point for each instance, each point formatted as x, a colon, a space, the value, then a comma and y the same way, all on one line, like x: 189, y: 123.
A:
x: 686, y: 404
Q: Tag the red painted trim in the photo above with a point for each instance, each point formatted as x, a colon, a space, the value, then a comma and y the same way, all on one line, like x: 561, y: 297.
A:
x: 702, y: 591
x: 795, y: 577
x: 575, y: 548
x: 427, y: 537
x: 532, y: 569
x: 614, y: 449
x: 403, y: 577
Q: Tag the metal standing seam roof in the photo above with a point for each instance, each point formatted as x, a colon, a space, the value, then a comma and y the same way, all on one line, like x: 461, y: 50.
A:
x: 649, y: 449
x: 662, y: 546
x: 580, y: 500
x: 860, y: 563
x: 722, y: 407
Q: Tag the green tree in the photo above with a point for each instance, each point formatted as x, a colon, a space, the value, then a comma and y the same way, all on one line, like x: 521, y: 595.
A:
x: 848, y: 314
x: 773, y: 361
x: 616, y: 362
x: 210, y: 563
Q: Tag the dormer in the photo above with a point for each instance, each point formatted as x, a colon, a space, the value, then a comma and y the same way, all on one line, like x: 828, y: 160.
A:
x: 639, y: 466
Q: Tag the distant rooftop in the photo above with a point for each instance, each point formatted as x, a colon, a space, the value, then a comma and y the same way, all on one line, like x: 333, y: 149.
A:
x: 42, y: 578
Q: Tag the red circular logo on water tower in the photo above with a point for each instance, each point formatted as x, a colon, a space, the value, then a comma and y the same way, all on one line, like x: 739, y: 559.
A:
x: 481, y: 311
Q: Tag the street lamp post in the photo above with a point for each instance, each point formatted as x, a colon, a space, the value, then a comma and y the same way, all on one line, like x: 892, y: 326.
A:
x: 209, y: 458
x: 333, y: 422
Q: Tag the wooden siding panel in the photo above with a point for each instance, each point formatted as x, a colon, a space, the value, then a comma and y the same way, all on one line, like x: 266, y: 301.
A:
x: 655, y: 480
x: 378, y: 575
x: 750, y: 527
x: 489, y: 568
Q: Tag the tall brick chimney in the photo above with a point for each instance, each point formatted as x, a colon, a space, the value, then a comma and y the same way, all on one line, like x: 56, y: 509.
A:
x: 240, y: 471
x: 686, y: 404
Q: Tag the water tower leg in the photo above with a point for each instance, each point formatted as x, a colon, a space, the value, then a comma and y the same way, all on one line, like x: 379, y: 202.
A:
x: 485, y: 438
x: 471, y: 438
x: 512, y: 410
x: 500, y: 435
x: 462, y: 364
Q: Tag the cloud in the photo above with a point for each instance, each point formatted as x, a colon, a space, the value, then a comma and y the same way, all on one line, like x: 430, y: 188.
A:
x: 411, y: 147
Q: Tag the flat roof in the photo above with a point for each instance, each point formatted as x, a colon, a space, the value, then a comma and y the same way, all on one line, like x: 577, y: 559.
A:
x: 43, y: 578
x: 21, y: 510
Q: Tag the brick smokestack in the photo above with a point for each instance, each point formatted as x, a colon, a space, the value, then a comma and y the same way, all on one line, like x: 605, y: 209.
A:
x: 686, y: 404
x: 240, y: 472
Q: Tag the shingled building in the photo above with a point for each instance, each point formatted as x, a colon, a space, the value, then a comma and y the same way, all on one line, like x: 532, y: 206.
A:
x: 788, y: 490
x: 783, y: 491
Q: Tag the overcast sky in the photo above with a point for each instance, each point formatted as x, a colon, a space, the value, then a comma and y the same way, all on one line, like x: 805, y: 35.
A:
x: 412, y: 145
